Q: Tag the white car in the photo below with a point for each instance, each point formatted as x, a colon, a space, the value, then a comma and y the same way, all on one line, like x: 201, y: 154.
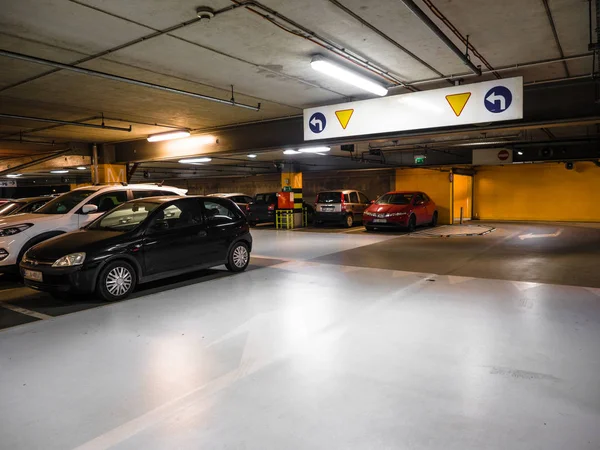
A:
x: 69, y: 212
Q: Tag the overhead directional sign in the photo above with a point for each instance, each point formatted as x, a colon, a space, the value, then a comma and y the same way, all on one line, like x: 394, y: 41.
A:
x: 490, y: 101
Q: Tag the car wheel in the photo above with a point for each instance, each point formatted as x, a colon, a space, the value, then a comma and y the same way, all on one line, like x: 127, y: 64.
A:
x: 116, y: 281
x: 239, y: 258
x: 434, y: 219
x: 412, y: 224
x: 349, y: 221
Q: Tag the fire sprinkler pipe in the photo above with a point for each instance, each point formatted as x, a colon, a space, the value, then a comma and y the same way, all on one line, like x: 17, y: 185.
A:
x: 64, y: 122
x: 440, y: 34
x: 109, y: 76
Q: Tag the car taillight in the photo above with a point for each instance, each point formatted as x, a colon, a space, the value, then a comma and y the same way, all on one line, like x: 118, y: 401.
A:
x: 343, y: 203
x: 272, y: 207
x: 248, y: 207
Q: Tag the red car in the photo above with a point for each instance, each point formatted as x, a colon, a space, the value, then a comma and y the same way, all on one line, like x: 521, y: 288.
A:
x: 401, y: 210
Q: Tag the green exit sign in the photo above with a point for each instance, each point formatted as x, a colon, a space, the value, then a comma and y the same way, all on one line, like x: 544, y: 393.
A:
x: 419, y: 161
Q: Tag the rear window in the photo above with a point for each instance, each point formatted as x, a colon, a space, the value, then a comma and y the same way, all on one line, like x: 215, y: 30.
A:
x: 265, y: 199
x: 329, y: 197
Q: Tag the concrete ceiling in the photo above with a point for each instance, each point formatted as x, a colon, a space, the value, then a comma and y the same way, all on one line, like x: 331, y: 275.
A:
x: 264, y: 63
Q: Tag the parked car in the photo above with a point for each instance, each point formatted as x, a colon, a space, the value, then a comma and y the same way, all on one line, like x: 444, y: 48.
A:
x: 345, y: 207
x: 242, y: 200
x: 262, y: 208
x: 401, y: 210
x: 141, y: 241
x: 23, y: 205
x: 69, y: 212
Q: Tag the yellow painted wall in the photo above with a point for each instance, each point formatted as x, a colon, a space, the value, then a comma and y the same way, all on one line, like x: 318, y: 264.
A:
x: 434, y: 183
x: 538, y: 192
x: 112, y: 173
x: 463, y: 196
x: 292, y: 179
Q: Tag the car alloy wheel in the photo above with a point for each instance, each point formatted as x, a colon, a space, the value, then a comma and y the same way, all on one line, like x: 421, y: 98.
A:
x: 349, y: 220
x: 239, y: 257
x: 119, y: 281
x: 412, y: 224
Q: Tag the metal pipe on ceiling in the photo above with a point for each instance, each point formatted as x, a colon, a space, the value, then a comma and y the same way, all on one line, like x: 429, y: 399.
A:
x: 459, y: 35
x: 385, y: 36
x: 541, y: 62
x: 65, y: 122
x: 108, y: 76
x: 305, y: 33
x: 410, y: 4
x: 555, y: 34
x: 157, y: 33
x: 35, y: 162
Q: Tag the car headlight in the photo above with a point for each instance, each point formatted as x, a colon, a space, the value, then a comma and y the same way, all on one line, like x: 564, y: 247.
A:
x: 14, y: 229
x: 396, y: 214
x: 367, y: 213
x: 74, y: 259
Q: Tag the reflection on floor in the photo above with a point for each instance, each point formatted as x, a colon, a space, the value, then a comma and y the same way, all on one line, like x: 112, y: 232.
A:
x: 321, y: 351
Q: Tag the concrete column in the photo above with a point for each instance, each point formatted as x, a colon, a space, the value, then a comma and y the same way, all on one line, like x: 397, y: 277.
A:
x: 292, y: 181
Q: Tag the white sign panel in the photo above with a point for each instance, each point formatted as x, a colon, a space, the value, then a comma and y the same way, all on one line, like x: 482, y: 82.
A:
x: 490, y: 101
x: 11, y: 183
x: 492, y: 156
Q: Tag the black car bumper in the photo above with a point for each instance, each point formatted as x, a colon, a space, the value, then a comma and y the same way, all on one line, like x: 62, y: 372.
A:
x: 79, y: 280
x: 261, y: 217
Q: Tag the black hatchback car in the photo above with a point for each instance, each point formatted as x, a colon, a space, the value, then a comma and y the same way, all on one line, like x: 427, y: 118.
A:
x: 141, y: 241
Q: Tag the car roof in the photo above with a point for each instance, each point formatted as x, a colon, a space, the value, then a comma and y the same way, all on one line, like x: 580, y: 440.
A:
x: 345, y: 191
x: 405, y: 192
x: 222, y: 194
x: 32, y: 199
x: 163, y: 199
x: 99, y: 187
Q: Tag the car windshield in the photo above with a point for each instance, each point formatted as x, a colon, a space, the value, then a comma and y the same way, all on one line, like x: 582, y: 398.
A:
x: 329, y: 197
x: 125, y: 218
x: 66, y: 202
x: 9, y: 208
x: 394, y: 199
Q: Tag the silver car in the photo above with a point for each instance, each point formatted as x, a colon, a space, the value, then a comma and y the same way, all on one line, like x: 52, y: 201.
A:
x: 340, y: 206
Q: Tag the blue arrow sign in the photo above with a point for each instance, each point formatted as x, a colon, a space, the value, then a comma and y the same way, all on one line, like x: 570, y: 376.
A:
x: 317, y: 122
x: 498, y: 99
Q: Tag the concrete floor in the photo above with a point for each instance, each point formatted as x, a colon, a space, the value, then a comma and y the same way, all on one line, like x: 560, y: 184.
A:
x: 353, y: 341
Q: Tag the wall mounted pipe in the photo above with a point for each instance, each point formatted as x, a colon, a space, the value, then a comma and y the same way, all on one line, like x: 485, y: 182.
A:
x: 108, y: 76
x: 440, y: 34
x: 65, y: 122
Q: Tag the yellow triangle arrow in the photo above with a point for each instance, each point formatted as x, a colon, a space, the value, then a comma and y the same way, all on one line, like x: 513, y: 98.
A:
x: 458, y: 102
x: 344, y: 116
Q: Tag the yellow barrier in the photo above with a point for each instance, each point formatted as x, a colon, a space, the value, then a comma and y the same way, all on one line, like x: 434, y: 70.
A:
x: 284, y: 218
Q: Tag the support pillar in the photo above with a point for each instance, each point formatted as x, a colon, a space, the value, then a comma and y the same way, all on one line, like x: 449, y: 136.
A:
x: 291, y: 181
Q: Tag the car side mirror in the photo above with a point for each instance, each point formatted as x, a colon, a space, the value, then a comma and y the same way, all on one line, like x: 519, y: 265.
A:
x: 372, y: 202
x: 89, y: 209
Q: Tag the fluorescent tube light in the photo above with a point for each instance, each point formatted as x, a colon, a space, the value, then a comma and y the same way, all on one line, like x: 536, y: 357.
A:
x: 59, y: 171
x: 291, y: 152
x: 195, y: 160
x: 252, y: 156
x: 168, y: 136
x: 314, y: 150
x: 334, y: 70
x: 82, y: 168
x: 14, y: 175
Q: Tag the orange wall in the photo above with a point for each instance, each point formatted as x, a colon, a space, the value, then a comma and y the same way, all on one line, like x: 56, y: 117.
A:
x: 463, y: 196
x: 538, y: 192
x: 434, y: 183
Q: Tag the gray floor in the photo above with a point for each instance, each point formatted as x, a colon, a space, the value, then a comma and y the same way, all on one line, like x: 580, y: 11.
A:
x: 319, y: 348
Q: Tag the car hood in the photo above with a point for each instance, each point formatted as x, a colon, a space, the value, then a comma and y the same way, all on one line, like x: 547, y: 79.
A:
x: 88, y: 241
x: 385, y: 209
x: 28, y: 218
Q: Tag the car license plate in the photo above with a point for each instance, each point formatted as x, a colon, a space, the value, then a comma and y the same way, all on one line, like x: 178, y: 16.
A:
x: 33, y: 275
x: 327, y: 208
x: 379, y: 220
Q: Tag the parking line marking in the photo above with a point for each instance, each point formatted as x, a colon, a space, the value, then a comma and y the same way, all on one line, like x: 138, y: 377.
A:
x: 27, y: 312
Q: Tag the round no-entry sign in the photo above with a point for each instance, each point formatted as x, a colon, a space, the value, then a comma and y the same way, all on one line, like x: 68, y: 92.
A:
x: 503, y: 155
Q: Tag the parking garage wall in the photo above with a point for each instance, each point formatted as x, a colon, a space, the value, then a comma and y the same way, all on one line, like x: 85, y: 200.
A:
x: 538, y: 192
x: 249, y: 185
x: 436, y: 184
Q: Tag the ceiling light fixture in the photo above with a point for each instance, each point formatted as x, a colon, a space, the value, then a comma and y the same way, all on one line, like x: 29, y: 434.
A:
x: 168, y: 136
x: 520, y: 153
x: 252, y: 156
x: 59, y: 171
x: 14, y: 175
x: 82, y: 168
x: 291, y: 152
x: 195, y: 160
x: 314, y: 150
x: 334, y: 70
